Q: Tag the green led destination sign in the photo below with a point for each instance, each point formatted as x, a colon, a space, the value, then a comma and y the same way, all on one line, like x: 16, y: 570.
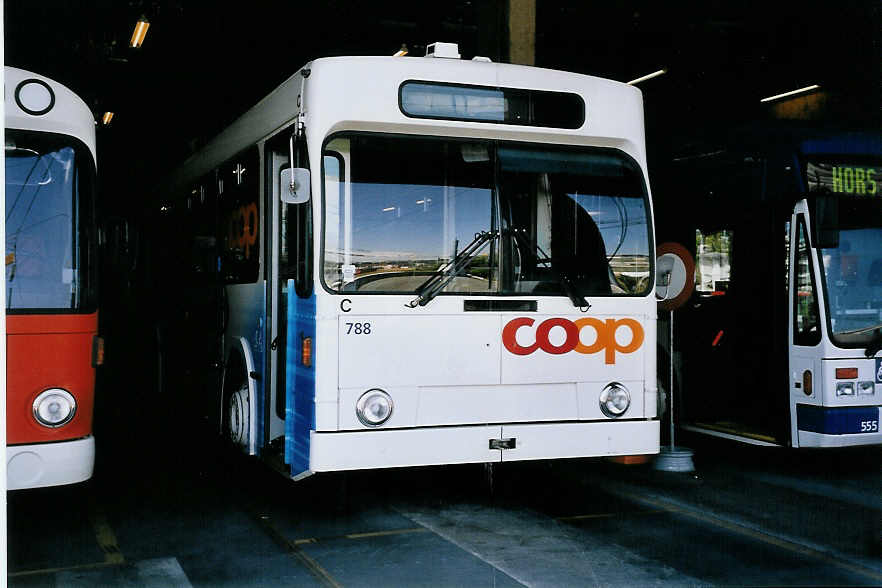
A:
x: 844, y: 178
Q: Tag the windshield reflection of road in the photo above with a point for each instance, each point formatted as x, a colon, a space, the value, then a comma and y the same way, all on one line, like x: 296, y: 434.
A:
x: 407, y: 283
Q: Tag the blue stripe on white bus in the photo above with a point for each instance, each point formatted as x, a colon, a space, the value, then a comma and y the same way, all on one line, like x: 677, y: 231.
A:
x: 837, y: 421
x: 299, y: 382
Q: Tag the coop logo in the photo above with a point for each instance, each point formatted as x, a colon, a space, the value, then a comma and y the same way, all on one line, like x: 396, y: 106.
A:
x: 242, y: 229
x: 604, y: 330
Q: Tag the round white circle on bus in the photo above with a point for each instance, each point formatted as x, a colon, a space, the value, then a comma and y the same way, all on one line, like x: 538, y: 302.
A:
x: 34, y: 97
x: 25, y: 468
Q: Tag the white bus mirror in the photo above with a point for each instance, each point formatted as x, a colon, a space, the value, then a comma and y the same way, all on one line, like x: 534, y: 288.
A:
x: 294, y: 185
x: 674, y: 275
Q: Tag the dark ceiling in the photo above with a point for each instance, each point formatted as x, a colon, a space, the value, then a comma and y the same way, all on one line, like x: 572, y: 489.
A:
x: 204, y: 63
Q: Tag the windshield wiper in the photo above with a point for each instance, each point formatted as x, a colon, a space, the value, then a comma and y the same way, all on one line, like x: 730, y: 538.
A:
x: 439, y: 280
x: 569, y: 287
x: 875, y: 343
x: 861, y: 330
x: 572, y: 291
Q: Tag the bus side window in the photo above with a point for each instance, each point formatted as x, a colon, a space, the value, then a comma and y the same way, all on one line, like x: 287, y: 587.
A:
x: 806, y: 329
x: 787, y: 257
x: 203, y: 264
x: 238, y: 187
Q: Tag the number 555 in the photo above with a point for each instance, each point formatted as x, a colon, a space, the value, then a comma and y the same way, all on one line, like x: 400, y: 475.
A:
x: 869, y: 426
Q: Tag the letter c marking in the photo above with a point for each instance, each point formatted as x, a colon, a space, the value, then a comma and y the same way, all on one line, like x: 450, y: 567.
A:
x: 509, y: 338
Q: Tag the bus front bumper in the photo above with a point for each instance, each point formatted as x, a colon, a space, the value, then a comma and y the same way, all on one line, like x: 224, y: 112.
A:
x: 49, y: 464
x: 839, y: 426
x: 812, y: 439
x: 353, y: 450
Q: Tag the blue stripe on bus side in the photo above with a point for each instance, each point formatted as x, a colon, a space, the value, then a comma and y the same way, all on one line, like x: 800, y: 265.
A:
x: 835, y: 421
x: 258, y: 355
x: 299, y: 382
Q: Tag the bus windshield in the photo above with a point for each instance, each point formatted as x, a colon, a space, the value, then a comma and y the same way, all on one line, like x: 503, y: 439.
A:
x: 514, y: 219
x: 48, y: 178
x: 853, y: 270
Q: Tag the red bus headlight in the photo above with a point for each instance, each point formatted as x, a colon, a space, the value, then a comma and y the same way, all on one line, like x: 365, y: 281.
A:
x: 54, y: 407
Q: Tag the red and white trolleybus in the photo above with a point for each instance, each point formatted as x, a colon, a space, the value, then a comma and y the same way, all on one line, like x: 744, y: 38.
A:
x: 51, y: 308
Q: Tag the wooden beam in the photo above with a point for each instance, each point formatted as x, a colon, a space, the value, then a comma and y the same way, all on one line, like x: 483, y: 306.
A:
x: 522, y: 31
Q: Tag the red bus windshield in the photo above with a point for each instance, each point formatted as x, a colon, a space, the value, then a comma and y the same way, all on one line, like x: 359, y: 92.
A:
x: 49, y: 201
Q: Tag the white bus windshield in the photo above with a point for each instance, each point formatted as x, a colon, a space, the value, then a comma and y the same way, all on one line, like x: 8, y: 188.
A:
x: 853, y: 270
x: 521, y: 219
x: 46, y: 221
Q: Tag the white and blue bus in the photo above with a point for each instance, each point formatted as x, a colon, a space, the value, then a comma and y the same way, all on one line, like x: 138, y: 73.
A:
x: 427, y: 261
x: 780, y: 343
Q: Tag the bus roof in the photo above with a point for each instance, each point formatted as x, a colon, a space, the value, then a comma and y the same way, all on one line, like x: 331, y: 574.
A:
x: 35, y: 102
x: 784, y: 138
x: 362, y: 93
x: 613, y: 110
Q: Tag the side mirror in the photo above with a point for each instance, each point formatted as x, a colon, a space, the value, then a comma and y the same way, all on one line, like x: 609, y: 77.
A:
x: 674, y: 275
x: 294, y: 185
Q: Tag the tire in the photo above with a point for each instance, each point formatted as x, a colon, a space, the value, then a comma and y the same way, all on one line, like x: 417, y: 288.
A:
x: 237, y: 417
x: 235, y: 406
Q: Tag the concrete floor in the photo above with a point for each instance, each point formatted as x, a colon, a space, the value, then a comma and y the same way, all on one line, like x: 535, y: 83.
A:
x: 746, y: 516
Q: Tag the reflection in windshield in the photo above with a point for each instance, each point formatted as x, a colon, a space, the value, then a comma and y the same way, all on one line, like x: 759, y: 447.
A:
x: 408, y: 208
x: 853, y: 274
x: 399, y: 209
x: 42, y: 246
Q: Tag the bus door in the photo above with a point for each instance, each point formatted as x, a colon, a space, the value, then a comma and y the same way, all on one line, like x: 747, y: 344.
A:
x: 276, y: 159
x: 291, y: 300
x: 805, y: 321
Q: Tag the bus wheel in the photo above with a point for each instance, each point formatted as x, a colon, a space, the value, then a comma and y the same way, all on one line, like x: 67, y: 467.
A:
x: 237, y: 417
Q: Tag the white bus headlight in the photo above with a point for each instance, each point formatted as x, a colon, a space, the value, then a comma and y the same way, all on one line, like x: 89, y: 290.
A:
x: 374, y: 408
x: 845, y: 389
x: 54, y: 407
x: 614, y: 400
x: 866, y: 387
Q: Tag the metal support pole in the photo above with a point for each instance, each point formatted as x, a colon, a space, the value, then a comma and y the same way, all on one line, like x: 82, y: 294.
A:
x: 673, y: 458
x: 671, y: 373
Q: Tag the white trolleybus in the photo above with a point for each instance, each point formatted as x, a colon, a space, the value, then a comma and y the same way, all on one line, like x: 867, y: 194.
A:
x: 429, y: 261
x: 52, y: 341
x: 780, y: 344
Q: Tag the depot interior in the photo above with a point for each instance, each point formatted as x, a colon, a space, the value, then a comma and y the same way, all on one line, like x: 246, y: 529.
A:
x: 202, y: 64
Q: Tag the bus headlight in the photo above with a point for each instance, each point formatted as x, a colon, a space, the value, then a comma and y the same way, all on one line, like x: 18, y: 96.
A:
x: 54, y: 407
x: 374, y: 407
x: 614, y: 400
x: 845, y: 389
x: 866, y: 387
